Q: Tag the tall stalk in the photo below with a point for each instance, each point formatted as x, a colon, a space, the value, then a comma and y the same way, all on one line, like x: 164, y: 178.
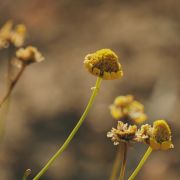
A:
x: 123, y: 166
x: 143, y: 160
x: 70, y: 137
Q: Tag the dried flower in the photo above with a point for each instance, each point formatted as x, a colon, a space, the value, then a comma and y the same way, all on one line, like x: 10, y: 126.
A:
x: 123, y: 133
x: 28, y: 55
x: 15, y: 36
x: 144, y: 133
x: 125, y: 107
x: 104, y: 63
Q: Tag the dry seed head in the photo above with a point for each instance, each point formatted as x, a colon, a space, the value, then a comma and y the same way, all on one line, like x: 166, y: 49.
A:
x: 144, y: 133
x: 104, y: 63
x: 123, y: 133
x: 29, y: 55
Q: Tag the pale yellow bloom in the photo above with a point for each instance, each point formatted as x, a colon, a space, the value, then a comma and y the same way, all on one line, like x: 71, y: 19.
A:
x: 29, y: 55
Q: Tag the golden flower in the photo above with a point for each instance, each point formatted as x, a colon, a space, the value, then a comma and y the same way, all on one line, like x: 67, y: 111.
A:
x: 125, y: 107
x: 29, y: 55
x: 123, y: 133
x: 161, y: 136
x: 15, y: 36
x: 104, y: 63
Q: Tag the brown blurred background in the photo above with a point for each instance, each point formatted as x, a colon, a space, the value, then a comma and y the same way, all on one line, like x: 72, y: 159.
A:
x: 51, y: 96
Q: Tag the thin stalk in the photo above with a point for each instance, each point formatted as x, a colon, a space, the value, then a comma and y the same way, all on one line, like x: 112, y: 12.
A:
x: 5, y: 109
x: 143, y: 160
x: 123, y: 166
x: 70, y: 137
x: 12, y: 85
x: 10, y: 52
x: 116, y: 163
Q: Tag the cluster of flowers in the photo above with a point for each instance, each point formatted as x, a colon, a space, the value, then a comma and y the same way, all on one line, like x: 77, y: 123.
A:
x: 158, y: 136
x: 128, y: 111
x: 20, y: 56
x: 15, y: 37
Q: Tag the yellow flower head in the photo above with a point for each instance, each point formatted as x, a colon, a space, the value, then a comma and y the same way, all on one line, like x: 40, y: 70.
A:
x: 123, y: 133
x: 29, y: 55
x: 125, y: 107
x: 161, y: 136
x: 15, y: 36
x: 104, y: 63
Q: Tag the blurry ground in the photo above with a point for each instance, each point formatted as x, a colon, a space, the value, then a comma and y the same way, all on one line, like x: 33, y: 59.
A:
x: 51, y: 96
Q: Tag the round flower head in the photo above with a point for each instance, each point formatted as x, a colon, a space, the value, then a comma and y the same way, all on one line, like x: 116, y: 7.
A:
x: 161, y: 136
x: 104, y: 63
x: 123, y: 133
x: 29, y: 55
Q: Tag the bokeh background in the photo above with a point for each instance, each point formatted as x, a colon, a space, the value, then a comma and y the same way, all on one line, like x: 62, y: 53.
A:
x: 51, y: 96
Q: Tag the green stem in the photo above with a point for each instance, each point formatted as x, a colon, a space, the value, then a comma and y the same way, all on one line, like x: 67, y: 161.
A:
x: 70, y: 137
x: 143, y: 160
x: 116, y: 163
x: 123, y: 166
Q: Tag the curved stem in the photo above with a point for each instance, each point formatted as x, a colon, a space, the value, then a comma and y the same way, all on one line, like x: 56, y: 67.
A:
x: 12, y: 85
x: 143, y: 160
x: 116, y: 163
x: 70, y: 137
x: 123, y: 166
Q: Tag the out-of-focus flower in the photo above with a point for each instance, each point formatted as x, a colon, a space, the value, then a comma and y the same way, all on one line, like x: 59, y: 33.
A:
x: 18, y: 35
x: 28, y: 55
x: 104, y: 63
x: 125, y: 107
x: 123, y: 133
x: 157, y: 137
x: 15, y: 36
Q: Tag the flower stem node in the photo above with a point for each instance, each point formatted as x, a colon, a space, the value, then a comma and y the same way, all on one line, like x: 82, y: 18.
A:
x: 104, y: 63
